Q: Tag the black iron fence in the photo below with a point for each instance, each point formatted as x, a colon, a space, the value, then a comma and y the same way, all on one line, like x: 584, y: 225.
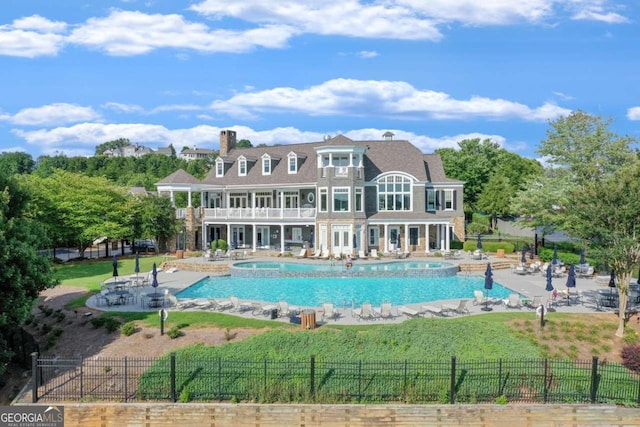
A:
x: 325, y: 381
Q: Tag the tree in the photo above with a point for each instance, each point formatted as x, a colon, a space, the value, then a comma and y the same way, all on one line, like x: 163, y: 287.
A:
x: 591, y: 193
x: 244, y: 143
x: 16, y: 163
x: 158, y: 219
x: 495, y: 198
x: 112, y: 145
x: 24, y: 273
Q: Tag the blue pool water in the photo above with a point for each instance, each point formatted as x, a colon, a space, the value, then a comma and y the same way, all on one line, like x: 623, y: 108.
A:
x: 337, y: 265
x: 342, y: 290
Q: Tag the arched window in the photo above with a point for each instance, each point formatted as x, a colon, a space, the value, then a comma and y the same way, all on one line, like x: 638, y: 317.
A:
x: 394, y: 193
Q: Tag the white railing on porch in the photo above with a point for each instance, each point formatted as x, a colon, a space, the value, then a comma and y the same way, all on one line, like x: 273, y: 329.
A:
x: 258, y: 213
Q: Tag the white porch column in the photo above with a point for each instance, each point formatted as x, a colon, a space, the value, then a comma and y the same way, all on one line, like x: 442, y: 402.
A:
x: 281, y: 238
x: 406, y: 238
x: 426, y: 239
x: 254, y: 238
x: 282, y: 206
x: 229, y: 236
x: 172, y: 197
x: 447, y: 237
x: 386, y: 239
x: 189, y: 204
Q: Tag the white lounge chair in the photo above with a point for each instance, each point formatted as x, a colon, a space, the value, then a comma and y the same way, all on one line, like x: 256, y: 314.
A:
x: 316, y: 254
x: 409, y: 312
x: 365, y: 312
x: 220, y: 304
x: 286, y: 310
x: 302, y: 254
x: 184, y: 304
x: 374, y: 254
x: 535, y: 302
x: 361, y: 254
x: 460, y: 308
x: 240, y: 305
x: 513, y: 301
x: 480, y: 299
x: 263, y: 309
x: 329, y: 312
x: 385, y: 310
x: 433, y: 310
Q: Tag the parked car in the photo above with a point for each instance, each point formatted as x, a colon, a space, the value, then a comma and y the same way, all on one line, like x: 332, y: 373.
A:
x: 144, y: 246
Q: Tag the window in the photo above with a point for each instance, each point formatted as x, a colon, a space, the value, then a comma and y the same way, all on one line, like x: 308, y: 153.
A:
x: 414, y: 233
x: 263, y: 200
x: 359, y: 205
x: 293, y: 163
x: 341, y: 199
x: 324, y: 203
x: 219, y: 168
x: 431, y: 200
x: 374, y: 236
x: 291, y: 199
x: 238, y: 200
x: 266, y: 165
x: 242, y: 166
x: 394, y: 193
x: 448, y: 200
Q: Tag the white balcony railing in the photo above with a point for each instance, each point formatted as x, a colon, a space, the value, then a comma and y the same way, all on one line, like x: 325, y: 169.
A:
x: 259, y: 213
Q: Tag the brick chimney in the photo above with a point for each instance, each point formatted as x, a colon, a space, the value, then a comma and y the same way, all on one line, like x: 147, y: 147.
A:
x: 227, y: 141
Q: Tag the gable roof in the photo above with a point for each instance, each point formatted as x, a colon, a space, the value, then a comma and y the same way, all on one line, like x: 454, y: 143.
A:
x: 180, y: 177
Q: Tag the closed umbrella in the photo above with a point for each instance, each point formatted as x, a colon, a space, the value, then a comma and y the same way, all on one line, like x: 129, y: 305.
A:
x: 571, y: 281
x: 154, y: 274
x: 554, y: 261
x: 523, y: 258
x: 479, y: 244
x: 549, y: 287
x: 355, y: 243
x: 115, y: 265
x: 612, y: 281
x: 136, y: 267
x: 582, y: 258
x: 532, y: 251
x: 488, y: 285
x: 311, y: 239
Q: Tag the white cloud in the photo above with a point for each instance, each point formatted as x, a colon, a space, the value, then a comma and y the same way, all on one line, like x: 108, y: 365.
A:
x: 378, y: 98
x: 122, y: 108
x: 52, y: 114
x: 32, y: 36
x: 596, y: 10
x: 366, y: 54
x: 633, y: 113
x: 126, y: 33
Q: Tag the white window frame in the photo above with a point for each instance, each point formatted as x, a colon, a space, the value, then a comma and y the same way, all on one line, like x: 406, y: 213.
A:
x: 293, y: 163
x: 323, y: 193
x: 266, y: 165
x: 359, y: 199
x: 391, y: 190
x: 242, y: 166
x: 340, y: 190
x: 448, y: 200
x: 219, y: 168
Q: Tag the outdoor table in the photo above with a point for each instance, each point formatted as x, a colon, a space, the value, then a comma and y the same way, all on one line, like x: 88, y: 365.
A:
x: 119, y: 297
x: 152, y: 300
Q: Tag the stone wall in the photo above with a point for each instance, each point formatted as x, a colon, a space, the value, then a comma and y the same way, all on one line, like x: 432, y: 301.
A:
x: 255, y: 415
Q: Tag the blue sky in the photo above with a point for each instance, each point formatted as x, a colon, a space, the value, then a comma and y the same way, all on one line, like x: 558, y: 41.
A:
x: 78, y: 73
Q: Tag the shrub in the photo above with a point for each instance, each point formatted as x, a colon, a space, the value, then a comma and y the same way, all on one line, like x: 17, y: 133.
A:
x: 631, y: 357
x: 128, y: 329
x: 98, y: 322
x: 185, y: 396
x: 219, y: 244
x: 111, y: 324
x: 174, y: 332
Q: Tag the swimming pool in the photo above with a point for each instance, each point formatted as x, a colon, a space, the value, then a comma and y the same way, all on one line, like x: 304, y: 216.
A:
x: 339, y: 268
x: 342, y: 291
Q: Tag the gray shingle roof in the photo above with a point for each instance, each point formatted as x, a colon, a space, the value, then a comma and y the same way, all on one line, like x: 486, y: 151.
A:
x: 180, y: 177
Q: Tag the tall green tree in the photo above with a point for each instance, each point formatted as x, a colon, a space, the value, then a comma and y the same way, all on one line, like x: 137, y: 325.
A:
x: 24, y: 273
x: 158, y: 219
x: 16, y: 163
x: 590, y: 191
x: 495, y: 198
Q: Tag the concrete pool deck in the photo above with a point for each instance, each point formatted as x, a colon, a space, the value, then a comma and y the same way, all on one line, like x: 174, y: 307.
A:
x: 529, y: 286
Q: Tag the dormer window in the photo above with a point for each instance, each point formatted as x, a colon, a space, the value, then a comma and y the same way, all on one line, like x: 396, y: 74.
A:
x: 219, y: 168
x: 266, y: 165
x: 242, y: 166
x: 293, y: 163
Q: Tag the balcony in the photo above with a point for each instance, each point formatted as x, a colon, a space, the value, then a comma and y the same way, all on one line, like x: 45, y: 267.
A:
x: 259, y: 213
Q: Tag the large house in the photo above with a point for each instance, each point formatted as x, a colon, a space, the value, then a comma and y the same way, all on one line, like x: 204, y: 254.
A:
x: 340, y: 195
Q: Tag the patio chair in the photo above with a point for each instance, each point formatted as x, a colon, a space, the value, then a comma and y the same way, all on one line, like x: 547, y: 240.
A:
x: 361, y: 254
x: 460, y: 308
x: 220, y: 305
x: 433, y: 310
x: 184, y: 304
x: 325, y: 254
x: 239, y: 305
x: 409, y: 312
x: 316, y: 254
x: 202, y: 304
x: 329, y: 312
x: 365, y: 312
x: 534, y: 303
x: 513, y: 301
x: 385, y: 310
x: 302, y: 254
x: 480, y: 299
x: 286, y: 310
x: 374, y: 254
x: 263, y: 309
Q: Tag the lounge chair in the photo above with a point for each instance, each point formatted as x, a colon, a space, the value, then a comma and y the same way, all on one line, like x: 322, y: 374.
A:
x: 365, y: 312
x: 325, y: 254
x: 286, y: 310
x: 316, y: 254
x: 302, y: 254
x: 329, y: 312
x: 220, y: 305
x: 433, y: 310
x: 513, y: 301
x: 240, y: 305
x: 374, y: 254
x: 480, y: 299
x: 409, y: 312
x: 385, y: 310
x: 263, y: 309
x: 184, y: 304
x: 202, y: 304
x: 460, y: 308
x: 534, y: 303
x: 361, y: 254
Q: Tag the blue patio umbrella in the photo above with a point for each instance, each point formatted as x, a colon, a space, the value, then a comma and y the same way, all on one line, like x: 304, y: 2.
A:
x: 523, y: 258
x: 488, y: 285
x: 571, y: 279
x: 582, y: 258
x: 115, y: 265
x: 549, y: 287
x: 154, y: 274
x: 554, y: 261
x: 479, y: 244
